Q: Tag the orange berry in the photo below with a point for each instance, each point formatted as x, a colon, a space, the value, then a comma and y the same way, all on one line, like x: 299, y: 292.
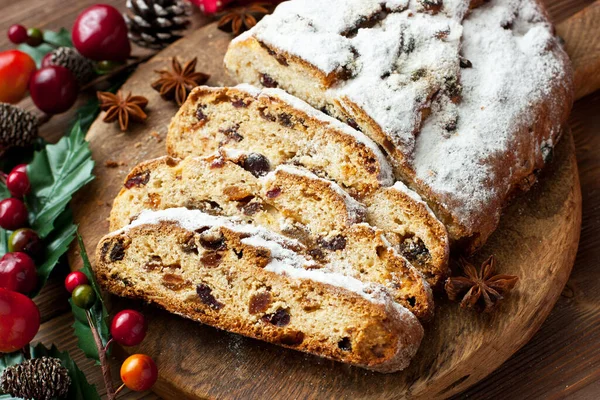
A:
x: 139, y: 372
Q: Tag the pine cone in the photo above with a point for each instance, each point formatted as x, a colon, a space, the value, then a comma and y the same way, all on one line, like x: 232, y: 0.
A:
x: 156, y: 23
x: 81, y: 67
x: 36, y: 379
x: 18, y: 128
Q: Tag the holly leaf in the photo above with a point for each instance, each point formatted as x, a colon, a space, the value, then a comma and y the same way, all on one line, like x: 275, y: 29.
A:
x: 80, y: 388
x: 62, y: 38
x: 56, y: 173
x: 98, y: 312
x: 57, y: 244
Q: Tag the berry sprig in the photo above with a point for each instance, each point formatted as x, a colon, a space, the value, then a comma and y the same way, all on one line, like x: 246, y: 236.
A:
x: 128, y: 328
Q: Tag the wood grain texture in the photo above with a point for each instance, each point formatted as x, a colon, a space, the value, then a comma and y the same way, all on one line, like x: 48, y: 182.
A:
x: 581, y: 34
x: 460, y: 348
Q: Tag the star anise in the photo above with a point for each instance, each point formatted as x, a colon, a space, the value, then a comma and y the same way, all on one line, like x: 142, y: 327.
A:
x: 239, y: 19
x: 122, y: 108
x: 177, y: 83
x: 480, y: 290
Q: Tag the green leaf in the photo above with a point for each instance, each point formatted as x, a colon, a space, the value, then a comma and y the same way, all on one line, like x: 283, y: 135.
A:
x: 56, y: 173
x: 61, y: 38
x: 98, y: 312
x: 57, y: 244
x: 80, y: 388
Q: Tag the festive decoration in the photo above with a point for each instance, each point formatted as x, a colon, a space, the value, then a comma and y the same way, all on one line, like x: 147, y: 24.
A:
x: 18, y: 273
x: 68, y: 57
x: 156, y: 23
x: 139, y: 372
x: 75, y: 279
x: 84, y: 297
x: 480, y: 290
x: 27, y: 241
x: 122, y: 108
x: 19, y: 320
x: 13, y: 214
x: 239, y: 19
x: 52, y: 40
x: 17, y: 34
x: 177, y: 83
x: 128, y: 328
x: 16, y: 68
x: 100, y: 33
x: 41, y: 378
x: 18, y: 128
x: 17, y: 182
x: 53, y: 89
x: 35, y: 37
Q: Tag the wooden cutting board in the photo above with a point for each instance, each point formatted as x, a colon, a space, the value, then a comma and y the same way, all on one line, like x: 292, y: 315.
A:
x: 537, y: 240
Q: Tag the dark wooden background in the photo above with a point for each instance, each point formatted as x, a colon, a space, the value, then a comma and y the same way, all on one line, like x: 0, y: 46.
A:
x: 562, y: 359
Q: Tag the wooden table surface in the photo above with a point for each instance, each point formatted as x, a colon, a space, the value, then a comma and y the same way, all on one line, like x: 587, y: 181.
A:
x: 563, y: 358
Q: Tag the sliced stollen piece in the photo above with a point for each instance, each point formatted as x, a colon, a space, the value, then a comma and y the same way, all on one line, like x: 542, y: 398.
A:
x: 434, y: 84
x: 289, y: 201
x: 282, y: 128
x: 330, y: 149
x: 256, y: 283
x: 411, y: 227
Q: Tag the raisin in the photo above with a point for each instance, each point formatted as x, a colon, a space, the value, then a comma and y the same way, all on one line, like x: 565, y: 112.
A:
x: 174, y: 282
x: 317, y: 254
x: 232, y: 134
x: 200, y: 113
x: 206, y: 296
x: 138, y: 180
x: 257, y: 164
x: 274, y: 193
x: 211, y: 259
x: 212, y: 241
x: 292, y: 339
x: 239, y: 103
x: 415, y: 250
x: 464, y: 63
x: 267, y: 81
x: 266, y: 116
x: 259, y: 303
x: 189, y: 245
x: 117, y: 253
x: 352, y: 123
x: 336, y: 243
x: 286, y: 120
x: 433, y: 6
x: 345, y: 344
x: 252, y: 208
x: 280, y: 318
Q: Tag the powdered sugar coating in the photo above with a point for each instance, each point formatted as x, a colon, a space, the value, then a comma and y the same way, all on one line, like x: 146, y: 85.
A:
x: 460, y: 134
x: 283, y: 260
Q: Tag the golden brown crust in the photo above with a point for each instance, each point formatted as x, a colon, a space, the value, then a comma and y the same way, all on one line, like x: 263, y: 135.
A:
x: 240, y: 295
x: 289, y: 201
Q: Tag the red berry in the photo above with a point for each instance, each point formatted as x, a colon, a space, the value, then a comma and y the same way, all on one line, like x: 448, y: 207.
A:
x: 18, y: 273
x: 128, y: 328
x: 17, y: 183
x: 20, y: 168
x: 17, y: 34
x: 139, y: 372
x: 16, y: 68
x: 53, y: 89
x: 19, y: 320
x: 100, y: 33
x: 27, y: 241
x: 13, y: 214
x: 75, y: 279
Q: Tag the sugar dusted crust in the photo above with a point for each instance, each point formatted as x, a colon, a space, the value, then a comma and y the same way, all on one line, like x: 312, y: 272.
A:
x: 288, y: 131
x: 289, y: 201
x: 437, y: 87
x: 252, y: 282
